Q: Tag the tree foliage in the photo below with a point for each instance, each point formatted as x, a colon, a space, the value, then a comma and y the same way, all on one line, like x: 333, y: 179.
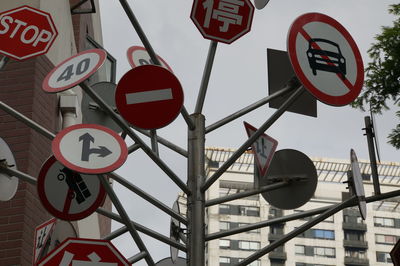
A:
x: 382, y: 83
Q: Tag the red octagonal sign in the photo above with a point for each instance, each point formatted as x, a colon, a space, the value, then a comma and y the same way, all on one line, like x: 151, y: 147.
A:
x: 222, y: 20
x: 79, y: 251
x: 26, y: 32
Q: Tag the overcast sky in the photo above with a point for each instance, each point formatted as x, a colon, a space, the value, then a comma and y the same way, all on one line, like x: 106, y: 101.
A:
x: 238, y: 79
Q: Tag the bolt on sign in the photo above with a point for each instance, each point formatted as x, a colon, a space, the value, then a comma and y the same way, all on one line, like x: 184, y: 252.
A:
x: 222, y: 20
x: 26, y: 32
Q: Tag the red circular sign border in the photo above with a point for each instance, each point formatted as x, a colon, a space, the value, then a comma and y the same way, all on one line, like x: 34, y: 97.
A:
x: 132, y: 49
x: 45, y: 84
x: 55, y: 145
x: 49, y: 207
x: 292, y: 34
x: 48, y: 15
x: 151, y: 68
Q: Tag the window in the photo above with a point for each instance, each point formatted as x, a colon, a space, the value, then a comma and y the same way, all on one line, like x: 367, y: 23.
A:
x: 249, y: 245
x: 354, y: 235
x: 249, y: 211
x: 324, y: 234
x: 299, y: 249
x: 223, y: 260
x: 383, y: 257
x: 224, y: 226
x: 383, y: 222
x: 276, y: 229
x: 224, y: 243
x: 385, y: 239
x: 355, y: 253
x: 254, y: 231
x: 224, y: 209
x: 324, y: 252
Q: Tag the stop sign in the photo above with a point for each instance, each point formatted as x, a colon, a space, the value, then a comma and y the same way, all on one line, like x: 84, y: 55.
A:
x: 26, y: 32
x: 222, y: 20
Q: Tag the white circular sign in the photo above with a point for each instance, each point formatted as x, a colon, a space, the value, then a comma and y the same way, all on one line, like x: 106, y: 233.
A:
x: 8, y: 184
x: 138, y: 56
x: 325, y: 58
x: 90, y: 149
x: 74, y: 70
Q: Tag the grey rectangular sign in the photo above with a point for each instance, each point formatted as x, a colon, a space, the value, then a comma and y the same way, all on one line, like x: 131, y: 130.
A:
x: 279, y: 73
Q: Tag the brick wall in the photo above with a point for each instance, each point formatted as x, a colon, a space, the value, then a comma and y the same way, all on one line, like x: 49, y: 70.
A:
x: 20, y: 88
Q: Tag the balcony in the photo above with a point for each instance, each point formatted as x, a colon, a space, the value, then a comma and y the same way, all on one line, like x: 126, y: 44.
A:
x: 274, y: 236
x: 355, y: 244
x: 354, y: 226
x: 277, y: 255
x: 350, y: 261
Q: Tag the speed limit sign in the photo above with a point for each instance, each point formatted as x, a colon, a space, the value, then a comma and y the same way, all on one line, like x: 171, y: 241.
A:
x: 74, y: 70
x: 138, y: 56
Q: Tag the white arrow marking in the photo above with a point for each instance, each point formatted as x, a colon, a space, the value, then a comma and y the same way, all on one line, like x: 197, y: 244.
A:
x: 149, y: 96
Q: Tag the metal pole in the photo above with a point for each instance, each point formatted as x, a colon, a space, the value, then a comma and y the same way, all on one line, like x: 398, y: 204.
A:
x: 253, y: 138
x: 116, y: 233
x: 195, y: 201
x: 124, y: 126
x: 29, y: 122
x: 372, y: 158
x: 147, y: 197
x: 4, y: 61
x: 21, y: 175
x: 154, y: 142
x: 336, y: 208
x: 206, y: 77
x: 124, y: 215
x: 245, y: 194
x: 248, y: 109
x: 143, y: 229
x: 137, y: 257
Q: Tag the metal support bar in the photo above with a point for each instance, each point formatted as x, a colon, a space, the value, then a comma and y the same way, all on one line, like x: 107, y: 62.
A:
x: 372, y: 158
x: 187, y: 118
x: 249, y: 108
x: 245, y: 194
x: 143, y: 229
x: 253, y: 138
x: 124, y: 126
x: 147, y: 197
x: 4, y: 61
x: 133, y: 148
x: 116, y: 233
x: 27, y: 121
x: 126, y: 220
x: 165, y: 142
x: 154, y: 142
x: 21, y: 175
x: 206, y: 77
x: 137, y: 257
x: 336, y: 208
x: 195, y: 201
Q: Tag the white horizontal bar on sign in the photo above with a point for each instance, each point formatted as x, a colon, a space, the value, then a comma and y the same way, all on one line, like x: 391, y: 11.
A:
x: 149, y: 96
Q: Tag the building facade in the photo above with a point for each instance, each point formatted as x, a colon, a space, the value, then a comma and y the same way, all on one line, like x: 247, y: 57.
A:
x: 20, y: 88
x: 342, y: 239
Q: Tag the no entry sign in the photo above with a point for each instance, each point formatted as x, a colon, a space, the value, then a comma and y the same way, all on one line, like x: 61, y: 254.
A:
x: 26, y: 32
x: 222, y: 20
x: 85, y: 252
x: 66, y: 194
x: 325, y: 58
x: 149, y: 97
x: 74, y: 70
x: 90, y: 149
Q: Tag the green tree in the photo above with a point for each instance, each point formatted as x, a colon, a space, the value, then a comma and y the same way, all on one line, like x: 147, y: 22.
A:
x: 382, y: 83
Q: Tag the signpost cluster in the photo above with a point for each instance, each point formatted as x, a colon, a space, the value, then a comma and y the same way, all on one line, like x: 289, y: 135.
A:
x: 73, y: 183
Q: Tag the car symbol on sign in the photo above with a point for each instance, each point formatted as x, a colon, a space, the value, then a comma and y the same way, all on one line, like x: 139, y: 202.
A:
x: 326, y: 60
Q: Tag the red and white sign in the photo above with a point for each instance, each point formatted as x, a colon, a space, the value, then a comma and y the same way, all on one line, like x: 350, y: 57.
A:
x: 264, y: 149
x: 325, y: 58
x: 85, y: 252
x: 66, y: 194
x: 222, y: 20
x: 90, y: 149
x: 74, y: 70
x: 26, y: 32
x: 149, y: 97
x: 138, y: 56
x: 42, y: 234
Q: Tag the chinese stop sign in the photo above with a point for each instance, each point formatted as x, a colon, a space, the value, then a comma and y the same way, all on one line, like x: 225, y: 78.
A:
x: 222, y: 20
x: 26, y: 32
